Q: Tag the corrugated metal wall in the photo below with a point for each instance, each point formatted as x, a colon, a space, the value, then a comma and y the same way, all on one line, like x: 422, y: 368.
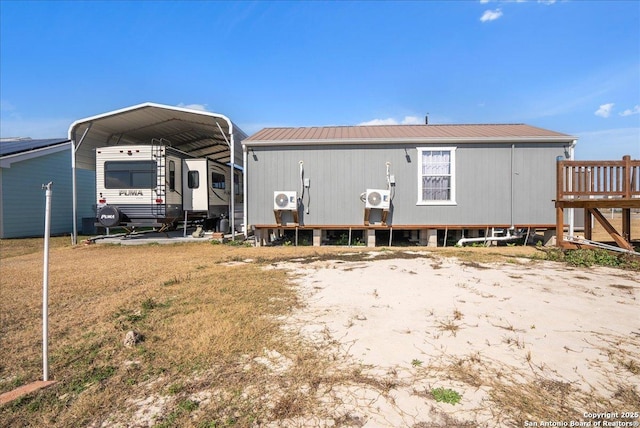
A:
x: 339, y: 174
x: 23, y: 200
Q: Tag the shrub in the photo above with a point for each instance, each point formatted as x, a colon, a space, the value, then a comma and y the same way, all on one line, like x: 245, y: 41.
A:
x: 591, y: 257
x: 446, y: 395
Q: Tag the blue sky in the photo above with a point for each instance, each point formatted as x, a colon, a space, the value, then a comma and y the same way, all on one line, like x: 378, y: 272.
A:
x: 569, y: 66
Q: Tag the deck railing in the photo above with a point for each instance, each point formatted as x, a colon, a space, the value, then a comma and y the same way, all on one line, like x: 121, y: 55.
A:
x: 598, y: 179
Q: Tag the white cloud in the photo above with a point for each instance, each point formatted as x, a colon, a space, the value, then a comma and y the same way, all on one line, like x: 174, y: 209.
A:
x: 484, y: 1
x: 388, y: 121
x: 198, y: 107
x: 604, y: 110
x: 408, y: 120
x: 608, y: 144
x: 547, y: 2
x: 629, y: 111
x: 491, y: 15
x: 579, y: 94
x: 412, y: 120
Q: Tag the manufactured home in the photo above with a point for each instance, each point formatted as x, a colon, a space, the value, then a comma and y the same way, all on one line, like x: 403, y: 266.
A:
x: 157, y: 185
x: 427, y: 184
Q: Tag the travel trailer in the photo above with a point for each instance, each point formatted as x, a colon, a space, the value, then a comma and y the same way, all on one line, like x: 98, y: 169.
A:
x: 157, y: 186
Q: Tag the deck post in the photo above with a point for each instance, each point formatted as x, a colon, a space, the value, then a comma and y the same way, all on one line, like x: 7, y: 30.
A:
x: 588, y: 222
x: 627, y: 176
x: 559, y: 179
x: 626, y: 212
x: 626, y: 224
x: 559, y: 226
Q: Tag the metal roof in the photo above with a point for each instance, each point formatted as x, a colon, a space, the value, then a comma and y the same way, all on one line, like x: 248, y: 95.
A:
x: 192, y: 131
x: 405, y: 133
x: 14, y: 146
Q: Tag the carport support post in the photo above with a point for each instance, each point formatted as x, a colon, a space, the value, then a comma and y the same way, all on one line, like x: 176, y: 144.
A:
x: 74, y: 150
x: 45, y: 284
x: 184, y: 225
x: 233, y: 188
x: 232, y: 195
x: 74, y: 237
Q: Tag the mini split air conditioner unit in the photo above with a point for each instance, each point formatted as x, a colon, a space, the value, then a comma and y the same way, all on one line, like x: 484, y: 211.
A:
x: 285, y: 200
x: 377, y: 198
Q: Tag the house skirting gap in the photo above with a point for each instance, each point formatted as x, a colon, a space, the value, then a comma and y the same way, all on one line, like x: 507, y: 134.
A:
x: 401, y: 235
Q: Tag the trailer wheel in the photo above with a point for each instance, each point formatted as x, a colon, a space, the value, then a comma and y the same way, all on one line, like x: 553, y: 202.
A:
x: 109, y: 216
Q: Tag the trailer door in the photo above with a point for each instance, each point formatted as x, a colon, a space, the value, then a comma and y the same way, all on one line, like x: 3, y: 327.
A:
x: 194, y: 183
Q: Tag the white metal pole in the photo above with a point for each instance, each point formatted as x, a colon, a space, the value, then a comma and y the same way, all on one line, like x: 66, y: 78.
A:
x: 45, y: 284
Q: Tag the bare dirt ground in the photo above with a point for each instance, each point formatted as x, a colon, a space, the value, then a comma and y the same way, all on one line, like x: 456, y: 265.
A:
x: 500, y: 334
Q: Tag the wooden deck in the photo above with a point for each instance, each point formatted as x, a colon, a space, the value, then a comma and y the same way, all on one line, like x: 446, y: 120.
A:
x: 596, y: 185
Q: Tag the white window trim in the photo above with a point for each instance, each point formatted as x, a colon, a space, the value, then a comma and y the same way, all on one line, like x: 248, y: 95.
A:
x: 451, y: 201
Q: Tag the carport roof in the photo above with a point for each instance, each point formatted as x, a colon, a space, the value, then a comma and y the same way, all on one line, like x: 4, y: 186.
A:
x: 192, y: 131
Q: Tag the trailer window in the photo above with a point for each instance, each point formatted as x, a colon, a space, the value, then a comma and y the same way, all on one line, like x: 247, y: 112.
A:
x: 130, y: 175
x: 436, y: 176
x: 172, y: 176
x: 193, y: 179
x: 217, y: 181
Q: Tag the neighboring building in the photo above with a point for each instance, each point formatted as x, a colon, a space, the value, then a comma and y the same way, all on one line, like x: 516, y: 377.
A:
x: 439, y: 179
x: 25, y: 165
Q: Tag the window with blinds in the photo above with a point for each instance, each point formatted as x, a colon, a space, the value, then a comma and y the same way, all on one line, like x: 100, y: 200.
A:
x: 436, y: 175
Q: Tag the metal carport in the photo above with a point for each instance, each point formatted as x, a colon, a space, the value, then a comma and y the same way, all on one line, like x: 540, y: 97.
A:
x: 199, y: 133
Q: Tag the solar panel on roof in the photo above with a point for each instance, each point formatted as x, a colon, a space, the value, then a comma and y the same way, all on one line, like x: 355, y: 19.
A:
x: 21, y: 145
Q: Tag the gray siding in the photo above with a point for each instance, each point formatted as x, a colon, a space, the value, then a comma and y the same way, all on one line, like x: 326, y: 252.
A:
x: 23, y: 200
x: 339, y: 174
x: 86, y: 197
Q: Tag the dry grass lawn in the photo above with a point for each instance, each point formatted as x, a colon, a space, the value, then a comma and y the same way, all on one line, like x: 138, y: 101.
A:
x: 206, y: 325
x: 196, y: 315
